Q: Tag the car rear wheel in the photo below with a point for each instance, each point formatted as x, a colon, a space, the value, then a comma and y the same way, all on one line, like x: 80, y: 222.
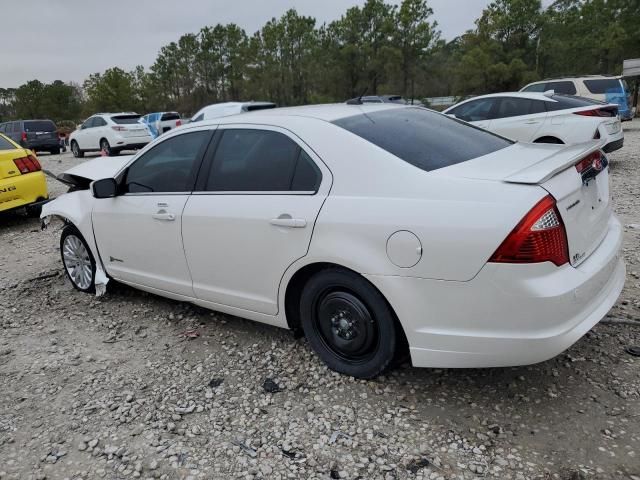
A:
x: 104, y: 146
x: 348, y: 323
x: 75, y: 149
x: 78, y: 261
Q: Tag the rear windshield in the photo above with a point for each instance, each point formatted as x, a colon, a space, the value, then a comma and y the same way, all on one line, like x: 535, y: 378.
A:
x: 170, y: 116
x: 39, y: 126
x: 125, y: 119
x: 259, y: 106
x: 425, y: 139
x: 604, y: 85
x: 564, y: 102
x: 6, y: 144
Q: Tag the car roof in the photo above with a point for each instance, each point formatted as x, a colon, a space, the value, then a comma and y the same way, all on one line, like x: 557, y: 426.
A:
x: 325, y: 112
x: 577, y: 77
x: 529, y: 95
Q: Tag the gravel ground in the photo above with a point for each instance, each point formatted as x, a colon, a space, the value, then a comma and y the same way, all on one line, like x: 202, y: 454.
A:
x: 132, y: 385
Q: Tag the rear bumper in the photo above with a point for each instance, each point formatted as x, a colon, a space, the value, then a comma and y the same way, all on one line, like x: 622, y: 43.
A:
x: 22, y: 190
x: 43, y: 144
x: 614, y: 145
x: 508, y: 314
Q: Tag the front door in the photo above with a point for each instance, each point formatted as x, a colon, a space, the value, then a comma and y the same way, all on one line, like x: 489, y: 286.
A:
x: 252, y: 216
x: 139, y: 232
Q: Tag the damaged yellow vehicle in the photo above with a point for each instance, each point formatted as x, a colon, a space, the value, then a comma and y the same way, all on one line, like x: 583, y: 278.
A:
x: 22, y: 182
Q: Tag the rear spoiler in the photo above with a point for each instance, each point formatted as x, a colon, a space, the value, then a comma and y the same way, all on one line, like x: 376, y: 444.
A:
x: 553, y: 164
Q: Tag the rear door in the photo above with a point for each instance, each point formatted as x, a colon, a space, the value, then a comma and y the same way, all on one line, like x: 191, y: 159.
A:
x: 253, y: 215
x: 518, y: 118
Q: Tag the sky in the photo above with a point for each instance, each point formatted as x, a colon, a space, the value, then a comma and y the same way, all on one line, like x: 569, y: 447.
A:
x: 70, y: 39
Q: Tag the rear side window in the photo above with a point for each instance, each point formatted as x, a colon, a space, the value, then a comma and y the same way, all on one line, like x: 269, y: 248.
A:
x: 568, y: 88
x: 125, y: 119
x: 260, y: 161
x: 425, y: 139
x: 170, y: 116
x: 6, y: 144
x: 513, y: 107
x: 39, y: 126
x: 604, y: 85
x: 564, y: 102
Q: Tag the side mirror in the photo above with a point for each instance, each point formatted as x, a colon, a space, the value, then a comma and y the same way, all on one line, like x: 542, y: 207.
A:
x: 105, y: 188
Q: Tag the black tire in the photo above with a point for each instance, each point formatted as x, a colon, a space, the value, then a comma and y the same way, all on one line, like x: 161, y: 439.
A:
x: 75, y: 149
x: 348, y: 323
x: 104, y: 145
x: 72, y: 231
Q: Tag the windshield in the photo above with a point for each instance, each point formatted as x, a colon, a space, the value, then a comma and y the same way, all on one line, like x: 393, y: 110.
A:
x: 125, y: 119
x: 39, y: 126
x: 423, y: 138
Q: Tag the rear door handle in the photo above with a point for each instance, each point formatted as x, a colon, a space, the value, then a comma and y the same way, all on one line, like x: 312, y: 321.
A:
x: 285, y: 220
x: 532, y: 122
x: 167, y: 217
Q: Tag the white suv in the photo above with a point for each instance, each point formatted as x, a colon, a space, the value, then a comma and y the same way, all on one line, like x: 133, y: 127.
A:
x: 111, y: 133
x: 607, y: 89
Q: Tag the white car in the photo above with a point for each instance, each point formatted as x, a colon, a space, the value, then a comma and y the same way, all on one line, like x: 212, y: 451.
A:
x: 543, y: 118
x: 370, y: 228
x: 218, y: 110
x: 111, y: 133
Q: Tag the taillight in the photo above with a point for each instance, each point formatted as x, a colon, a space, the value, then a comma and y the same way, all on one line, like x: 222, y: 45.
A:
x: 178, y: 123
x: 27, y: 164
x: 591, y: 161
x: 598, y: 112
x: 24, y: 136
x: 119, y: 128
x: 539, y: 237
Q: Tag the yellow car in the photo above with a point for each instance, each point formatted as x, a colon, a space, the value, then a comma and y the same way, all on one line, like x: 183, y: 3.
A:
x: 22, y: 182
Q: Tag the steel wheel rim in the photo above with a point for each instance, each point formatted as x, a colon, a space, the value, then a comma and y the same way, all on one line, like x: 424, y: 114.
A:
x: 345, y: 326
x: 77, y: 262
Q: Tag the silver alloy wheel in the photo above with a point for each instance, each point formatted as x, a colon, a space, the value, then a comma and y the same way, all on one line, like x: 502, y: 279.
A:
x: 75, y: 149
x: 77, y: 262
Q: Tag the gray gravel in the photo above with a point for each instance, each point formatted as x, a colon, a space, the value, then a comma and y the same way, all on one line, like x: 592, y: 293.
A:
x: 111, y: 387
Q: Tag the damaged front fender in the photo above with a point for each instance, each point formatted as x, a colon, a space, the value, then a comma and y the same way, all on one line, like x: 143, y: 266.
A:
x: 75, y: 208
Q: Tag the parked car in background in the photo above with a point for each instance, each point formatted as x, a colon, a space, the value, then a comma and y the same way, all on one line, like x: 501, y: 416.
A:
x: 111, y: 133
x: 218, y: 110
x: 22, y: 183
x: 371, y: 228
x: 543, y: 118
x: 161, y: 122
x: 607, y: 89
x: 383, y: 99
x: 36, y: 135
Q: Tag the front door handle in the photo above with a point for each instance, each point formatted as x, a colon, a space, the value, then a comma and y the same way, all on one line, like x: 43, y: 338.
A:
x: 165, y: 216
x: 532, y: 122
x: 285, y: 220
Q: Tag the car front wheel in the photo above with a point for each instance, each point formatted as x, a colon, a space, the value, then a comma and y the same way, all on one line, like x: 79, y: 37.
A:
x: 348, y: 323
x: 75, y: 149
x: 78, y: 261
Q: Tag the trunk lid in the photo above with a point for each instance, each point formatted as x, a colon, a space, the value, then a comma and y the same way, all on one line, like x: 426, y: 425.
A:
x: 582, y: 198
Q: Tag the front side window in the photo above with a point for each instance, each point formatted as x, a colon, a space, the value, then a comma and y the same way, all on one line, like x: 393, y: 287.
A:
x: 99, y: 122
x: 475, y: 111
x: 168, y: 167
x: 423, y: 138
x: 260, y: 161
x: 536, y: 87
x: 89, y: 123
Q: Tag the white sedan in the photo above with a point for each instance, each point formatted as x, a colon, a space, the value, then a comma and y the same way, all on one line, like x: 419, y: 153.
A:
x: 371, y: 228
x: 544, y: 118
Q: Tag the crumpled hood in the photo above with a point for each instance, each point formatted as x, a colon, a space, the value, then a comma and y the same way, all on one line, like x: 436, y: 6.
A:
x: 101, y: 167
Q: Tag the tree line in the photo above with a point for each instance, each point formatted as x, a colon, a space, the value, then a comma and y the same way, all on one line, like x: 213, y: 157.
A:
x: 374, y: 49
